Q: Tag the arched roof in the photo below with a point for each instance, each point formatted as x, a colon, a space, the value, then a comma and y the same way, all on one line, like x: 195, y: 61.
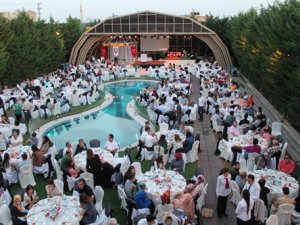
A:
x: 148, y: 22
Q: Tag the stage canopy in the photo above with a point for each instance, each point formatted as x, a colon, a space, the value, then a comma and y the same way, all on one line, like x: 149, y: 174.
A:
x: 148, y: 23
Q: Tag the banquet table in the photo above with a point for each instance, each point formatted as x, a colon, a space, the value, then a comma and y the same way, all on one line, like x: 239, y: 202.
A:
x: 170, y: 135
x: 275, y: 181
x: 105, y: 156
x: 58, y: 210
x: 159, y: 181
x: 16, y: 152
x: 6, y: 129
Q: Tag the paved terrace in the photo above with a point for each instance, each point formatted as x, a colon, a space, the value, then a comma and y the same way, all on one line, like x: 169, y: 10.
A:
x: 210, y: 163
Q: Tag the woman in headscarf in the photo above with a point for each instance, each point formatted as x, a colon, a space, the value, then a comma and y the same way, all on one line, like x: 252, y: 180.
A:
x: 18, y: 216
x: 185, y: 202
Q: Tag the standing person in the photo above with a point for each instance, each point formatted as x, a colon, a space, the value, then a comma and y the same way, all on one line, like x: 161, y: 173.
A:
x: 253, y: 187
x: 244, y: 208
x: 223, y: 189
x: 178, y: 110
x: 17, y: 108
x: 93, y: 165
x: 201, y: 103
x: 26, y: 106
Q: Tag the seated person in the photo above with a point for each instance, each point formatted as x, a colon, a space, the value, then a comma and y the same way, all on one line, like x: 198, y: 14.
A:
x: 233, y: 131
x: 285, y: 199
x: 177, y: 163
x: 168, y: 220
x: 149, y: 220
x: 244, y: 121
x: 188, y: 143
x: 18, y: 215
x: 30, y: 197
x: 111, y: 145
x: 159, y: 163
x: 255, y: 148
x: 142, y: 199
x: 264, y: 161
x: 82, y: 187
x: 67, y: 160
x: 15, y: 139
x: 287, y: 165
x: 241, y: 179
x: 130, y: 187
x: 150, y: 141
x: 88, y: 210
x: 53, y: 190
x: 275, y: 150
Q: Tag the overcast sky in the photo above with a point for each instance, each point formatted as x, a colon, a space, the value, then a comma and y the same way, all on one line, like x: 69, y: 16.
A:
x: 101, y: 9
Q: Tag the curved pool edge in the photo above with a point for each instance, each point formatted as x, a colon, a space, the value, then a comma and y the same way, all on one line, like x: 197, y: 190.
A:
x: 108, y: 99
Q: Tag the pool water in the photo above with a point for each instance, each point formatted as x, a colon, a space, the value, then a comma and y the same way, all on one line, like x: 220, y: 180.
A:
x: 112, y: 119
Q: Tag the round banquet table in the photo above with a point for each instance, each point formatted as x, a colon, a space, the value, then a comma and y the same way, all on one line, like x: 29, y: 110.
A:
x: 275, y: 181
x: 58, y: 210
x: 105, y: 156
x: 159, y: 181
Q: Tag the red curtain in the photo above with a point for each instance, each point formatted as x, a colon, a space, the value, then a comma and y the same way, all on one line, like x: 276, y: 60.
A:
x: 103, y: 51
x: 133, y: 51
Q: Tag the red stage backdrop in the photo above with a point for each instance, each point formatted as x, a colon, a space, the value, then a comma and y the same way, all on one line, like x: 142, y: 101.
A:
x: 103, y: 51
x: 133, y: 51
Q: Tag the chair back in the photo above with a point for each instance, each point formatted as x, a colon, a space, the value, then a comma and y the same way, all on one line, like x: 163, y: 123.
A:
x: 192, y: 155
x: 99, y: 194
x: 122, y: 197
x: 283, y: 150
x: 58, y: 171
x: 89, y: 179
x: 138, y: 169
x: 125, y: 165
x: 201, y: 199
x: 95, y: 143
x: 26, y: 176
x: 272, y: 220
x: 284, y: 214
x: 5, y: 216
x: 60, y: 185
x: 276, y: 128
x: 243, y: 164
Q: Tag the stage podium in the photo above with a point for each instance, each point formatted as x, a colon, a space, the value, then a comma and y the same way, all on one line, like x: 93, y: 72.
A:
x: 144, y: 58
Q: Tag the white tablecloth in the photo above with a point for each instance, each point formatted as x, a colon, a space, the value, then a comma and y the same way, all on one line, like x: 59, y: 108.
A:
x: 159, y: 181
x: 276, y: 180
x: 170, y: 135
x: 6, y: 129
x: 66, y: 207
x: 105, y: 156
x: 244, y: 140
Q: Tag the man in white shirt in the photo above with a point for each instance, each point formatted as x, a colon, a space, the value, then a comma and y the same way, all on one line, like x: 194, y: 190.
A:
x: 111, y: 145
x: 201, y: 104
x: 223, y: 189
x: 150, y: 140
x: 37, y: 87
x: 149, y: 220
x: 253, y: 187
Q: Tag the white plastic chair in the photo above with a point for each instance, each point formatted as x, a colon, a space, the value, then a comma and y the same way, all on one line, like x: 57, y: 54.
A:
x: 125, y: 165
x: 41, y: 169
x: 283, y: 151
x: 193, y: 115
x: 251, y: 161
x: 89, y: 179
x: 122, y: 197
x: 99, y: 194
x: 243, y: 164
x: 201, y: 199
x: 276, y: 128
x: 284, y: 214
x: 60, y: 185
x: 147, y: 155
x: 223, y: 149
x: 11, y: 120
x: 102, y: 219
x: 59, y: 173
x: 26, y: 176
x: 236, y: 195
x: 138, y: 169
x: 190, y: 128
x: 192, y: 155
x: 163, y: 127
x: 272, y: 220
x: 75, y: 100
x: 162, y: 210
x: 5, y: 216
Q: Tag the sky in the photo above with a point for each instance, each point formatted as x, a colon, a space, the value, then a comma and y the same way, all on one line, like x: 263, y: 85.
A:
x: 102, y: 9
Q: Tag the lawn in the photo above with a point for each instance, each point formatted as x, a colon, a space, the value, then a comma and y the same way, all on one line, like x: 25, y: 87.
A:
x: 110, y: 194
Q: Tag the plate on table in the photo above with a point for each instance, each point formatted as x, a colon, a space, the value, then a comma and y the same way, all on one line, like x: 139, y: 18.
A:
x: 270, y: 171
x: 43, y: 202
x: 291, y: 179
x: 277, y: 189
x: 32, y: 218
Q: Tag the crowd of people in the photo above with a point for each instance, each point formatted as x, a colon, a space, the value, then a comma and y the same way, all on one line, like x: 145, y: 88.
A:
x: 220, y: 98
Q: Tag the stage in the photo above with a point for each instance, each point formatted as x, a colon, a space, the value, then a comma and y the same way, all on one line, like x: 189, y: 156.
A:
x: 153, y: 63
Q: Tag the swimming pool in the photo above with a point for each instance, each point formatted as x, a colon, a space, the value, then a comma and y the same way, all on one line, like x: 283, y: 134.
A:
x: 111, y: 119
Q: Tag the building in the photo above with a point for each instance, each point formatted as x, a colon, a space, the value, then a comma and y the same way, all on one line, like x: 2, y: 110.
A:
x: 12, y: 15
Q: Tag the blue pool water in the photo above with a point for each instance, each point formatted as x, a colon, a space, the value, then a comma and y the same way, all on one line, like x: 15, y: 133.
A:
x: 112, y: 119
